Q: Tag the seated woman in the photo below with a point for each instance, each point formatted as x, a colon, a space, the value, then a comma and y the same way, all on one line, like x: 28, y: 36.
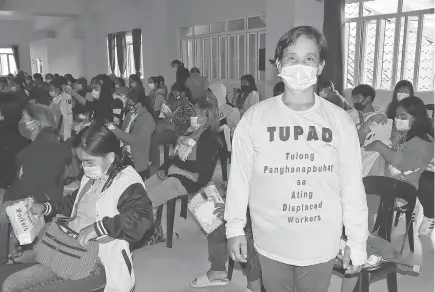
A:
x: 157, y: 94
x: 61, y: 105
x: 192, y: 166
x: 115, y: 204
x: 136, y: 132
x: 177, y: 113
x: 402, y: 90
x: 46, y: 153
x: 218, y: 256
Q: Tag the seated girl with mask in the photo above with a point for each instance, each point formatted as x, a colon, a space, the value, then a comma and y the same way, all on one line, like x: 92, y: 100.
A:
x: 192, y: 166
x: 112, y: 202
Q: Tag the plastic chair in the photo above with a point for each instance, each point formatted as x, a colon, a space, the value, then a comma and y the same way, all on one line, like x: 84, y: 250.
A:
x: 388, y: 189
x: 430, y: 107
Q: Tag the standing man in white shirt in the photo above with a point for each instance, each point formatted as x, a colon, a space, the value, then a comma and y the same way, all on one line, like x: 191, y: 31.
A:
x: 296, y: 162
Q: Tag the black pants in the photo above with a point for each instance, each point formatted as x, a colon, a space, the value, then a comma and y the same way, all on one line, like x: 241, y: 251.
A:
x: 425, y: 193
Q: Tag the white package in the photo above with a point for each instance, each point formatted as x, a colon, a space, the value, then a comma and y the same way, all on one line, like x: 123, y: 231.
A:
x: 26, y: 226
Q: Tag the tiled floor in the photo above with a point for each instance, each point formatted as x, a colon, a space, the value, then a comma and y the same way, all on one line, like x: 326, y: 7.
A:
x: 159, y: 269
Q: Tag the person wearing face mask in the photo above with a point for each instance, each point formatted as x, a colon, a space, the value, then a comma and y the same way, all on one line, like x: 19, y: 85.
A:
x: 111, y: 203
x: 157, y: 94
x: 136, y: 132
x: 248, y: 95
x: 61, y: 105
x: 278, y: 147
x: 163, y: 86
x: 197, y: 84
x: 409, y: 155
x: 402, y: 90
x: 174, y: 122
x: 45, y: 152
x: 327, y: 91
x: 192, y: 165
x: 181, y: 72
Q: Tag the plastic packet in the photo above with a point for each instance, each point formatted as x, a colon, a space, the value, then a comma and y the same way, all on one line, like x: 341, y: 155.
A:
x: 25, y: 225
x: 203, y: 204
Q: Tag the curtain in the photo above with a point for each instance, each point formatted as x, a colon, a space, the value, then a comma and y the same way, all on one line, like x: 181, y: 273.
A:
x: 137, y: 44
x: 16, y: 56
x: 111, y: 49
x: 333, y: 29
x: 121, y: 52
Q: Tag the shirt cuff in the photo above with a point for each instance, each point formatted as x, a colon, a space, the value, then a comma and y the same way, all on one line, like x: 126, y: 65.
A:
x: 358, y: 252
x: 233, y: 231
x: 100, y: 229
x: 48, y: 209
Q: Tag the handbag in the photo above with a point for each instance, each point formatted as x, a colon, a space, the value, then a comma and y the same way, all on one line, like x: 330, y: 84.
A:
x: 166, y: 124
x: 58, y: 249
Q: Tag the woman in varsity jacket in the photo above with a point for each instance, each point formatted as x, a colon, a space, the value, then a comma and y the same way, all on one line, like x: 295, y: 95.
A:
x: 111, y: 202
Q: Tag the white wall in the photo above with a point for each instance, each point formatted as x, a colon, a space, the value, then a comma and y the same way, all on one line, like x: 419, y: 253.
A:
x: 18, y: 33
x: 38, y: 50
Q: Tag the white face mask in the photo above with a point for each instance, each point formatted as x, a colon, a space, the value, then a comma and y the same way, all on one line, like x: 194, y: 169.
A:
x: 95, y: 94
x: 299, y: 78
x: 402, y: 95
x: 402, y: 125
x: 151, y: 85
x: 93, y: 172
x: 194, y: 125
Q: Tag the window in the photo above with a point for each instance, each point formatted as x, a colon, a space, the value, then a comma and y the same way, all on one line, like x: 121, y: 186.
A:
x: 7, y: 62
x: 130, y: 58
x: 38, y: 66
x: 389, y: 40
x: 226, y: 50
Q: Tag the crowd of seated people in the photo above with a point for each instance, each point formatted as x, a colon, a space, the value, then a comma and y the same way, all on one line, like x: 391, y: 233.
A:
x: 117, y: 151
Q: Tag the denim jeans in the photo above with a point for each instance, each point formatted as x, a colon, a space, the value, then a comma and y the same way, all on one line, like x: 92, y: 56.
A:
x: 37, y: 278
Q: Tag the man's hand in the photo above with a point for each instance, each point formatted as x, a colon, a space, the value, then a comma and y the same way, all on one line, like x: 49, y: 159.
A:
x: 86, y: 234
x: 161, y: 174
x: 347, y: 265
x: 68, y: 89
x: 238, y: 248
x: 219, y: 211
x: 37, y: 209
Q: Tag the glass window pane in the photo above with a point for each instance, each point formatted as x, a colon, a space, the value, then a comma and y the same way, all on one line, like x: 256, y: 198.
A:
x: 183, y: 53
x: 242, y: 55
x: 190, y: 56
x: 217, y: 27
x: 388, y: 53
x: 4, y: 64
x: 351, y: 49
x: 351, y: 10
x: 262, y: 46
x: 201, y: 29
x: 206, y: 57
x: 369, y: 35
x: 186, y: 31
x: 214, y: 58
x: 13, y: 65
x: 412, y: 5
x: 426, y: 69
x: 128, y: 38
x: 223, y: 57
x: 400, y: 51
x: 236, y: 24
x: 232, y: 64
x: 252, y: 50
x: 411, y: 43
x: 375, y: 7
x: 6, y: 51
x: 256, y: 22
x: 198, y: 54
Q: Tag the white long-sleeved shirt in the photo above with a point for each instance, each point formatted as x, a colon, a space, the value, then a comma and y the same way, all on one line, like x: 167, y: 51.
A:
x: 300, y: 172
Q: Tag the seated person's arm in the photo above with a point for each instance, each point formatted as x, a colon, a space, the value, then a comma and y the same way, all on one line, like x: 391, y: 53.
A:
x: 134, y: 220
x: 64, y: 206
x: 365, y: 128
x: 145, y: 132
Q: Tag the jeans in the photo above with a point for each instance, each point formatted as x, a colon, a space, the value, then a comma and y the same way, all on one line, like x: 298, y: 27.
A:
x: 425, y: 193
x: 279, y: 277
x: 37, y: 278
x: 218, y: 255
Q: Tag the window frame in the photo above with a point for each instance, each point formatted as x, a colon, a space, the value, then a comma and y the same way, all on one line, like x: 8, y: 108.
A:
x: 9, y: 56
x: 359, y: 62
x: 129, y: 70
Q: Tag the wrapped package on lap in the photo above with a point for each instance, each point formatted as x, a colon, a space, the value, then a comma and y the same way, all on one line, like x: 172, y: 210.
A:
x: 203, y: 204
x: 26, y: 226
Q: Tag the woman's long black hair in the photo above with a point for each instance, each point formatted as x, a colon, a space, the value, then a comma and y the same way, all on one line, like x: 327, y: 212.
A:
x: 392, y: 107
x: 241, y: 99
x: 104, y: 110
x: 422, y: 126
x: 98, y: 140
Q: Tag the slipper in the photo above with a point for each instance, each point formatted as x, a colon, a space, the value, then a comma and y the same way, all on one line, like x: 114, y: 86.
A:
x: 204, y: 282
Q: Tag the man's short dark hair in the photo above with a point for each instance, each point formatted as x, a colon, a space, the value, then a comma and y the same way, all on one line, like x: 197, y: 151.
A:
x: 194, y: 70
x: 38, y: 77
x: 293, y: 35
x: 365, y: 90
x: 82, y: 81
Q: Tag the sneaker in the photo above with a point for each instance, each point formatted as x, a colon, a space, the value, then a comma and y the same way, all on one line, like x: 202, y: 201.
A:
x: 426, y: 226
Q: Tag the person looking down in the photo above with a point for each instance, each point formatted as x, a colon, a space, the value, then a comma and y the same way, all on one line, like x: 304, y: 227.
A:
x: 296, y: 162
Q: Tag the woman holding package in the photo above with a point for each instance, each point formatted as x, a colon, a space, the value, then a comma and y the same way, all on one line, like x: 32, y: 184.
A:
x: 111, y: 203
x: 192, y: 166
